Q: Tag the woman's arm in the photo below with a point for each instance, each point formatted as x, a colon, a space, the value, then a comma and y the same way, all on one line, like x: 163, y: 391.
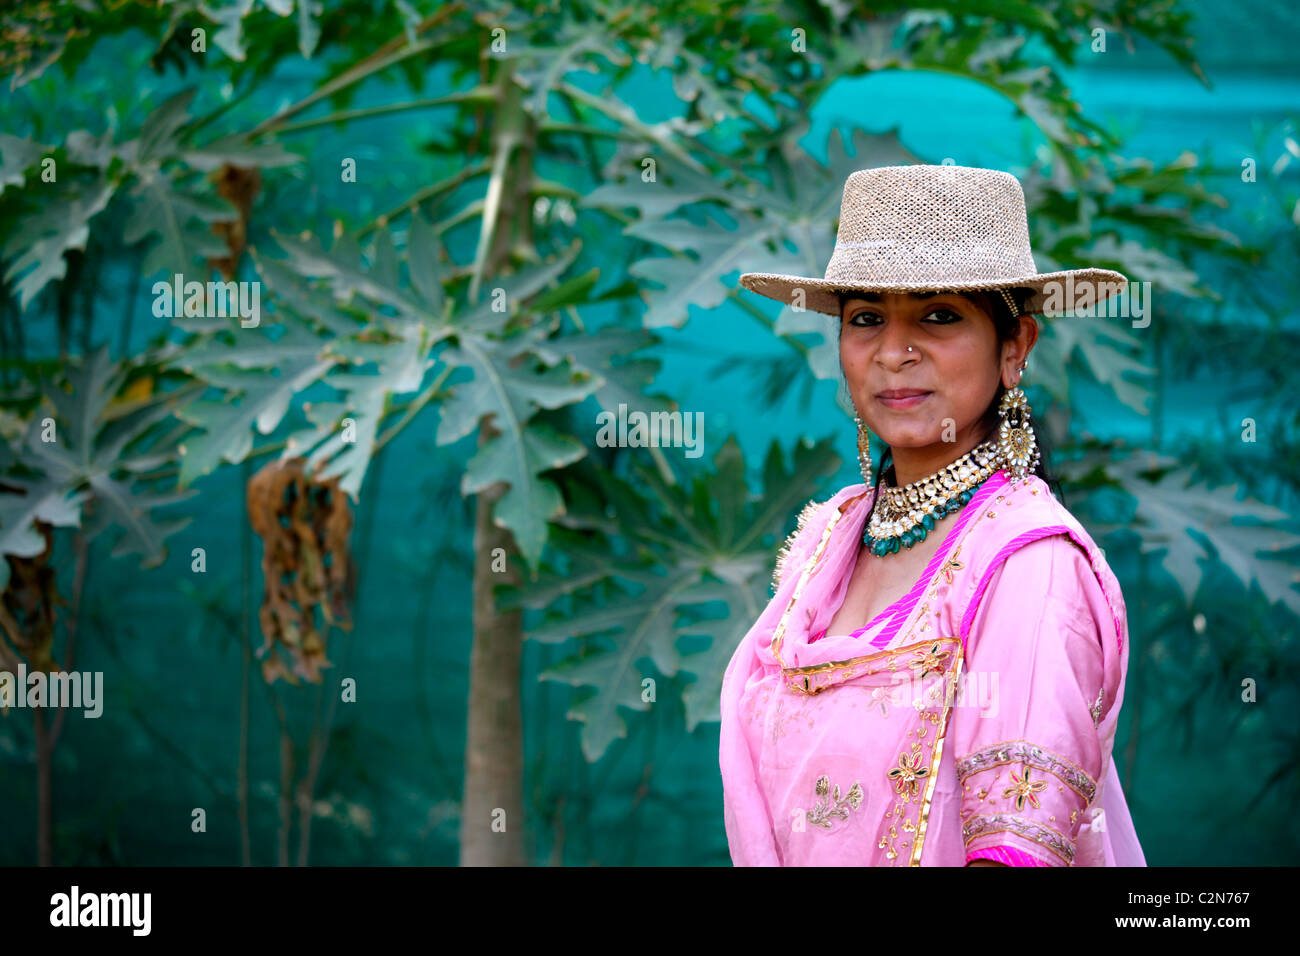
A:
x: 1029, y: 757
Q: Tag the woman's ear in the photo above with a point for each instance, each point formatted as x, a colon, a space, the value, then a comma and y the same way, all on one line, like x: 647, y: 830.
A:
x: 1015, y: 351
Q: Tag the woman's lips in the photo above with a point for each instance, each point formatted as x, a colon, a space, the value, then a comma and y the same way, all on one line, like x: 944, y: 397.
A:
x: 908, y: 401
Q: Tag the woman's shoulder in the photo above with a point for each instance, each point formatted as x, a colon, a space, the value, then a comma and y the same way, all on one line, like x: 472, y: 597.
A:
x: 1031, y: 501
x: 1031, y: 538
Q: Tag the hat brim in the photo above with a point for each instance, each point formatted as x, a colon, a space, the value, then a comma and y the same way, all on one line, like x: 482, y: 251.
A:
x: 1086, y: 286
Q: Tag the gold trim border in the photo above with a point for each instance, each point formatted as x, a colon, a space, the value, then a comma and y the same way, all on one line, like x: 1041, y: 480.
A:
x: 1016, y: 754
x: 918, y: 841
x: 779, y: 633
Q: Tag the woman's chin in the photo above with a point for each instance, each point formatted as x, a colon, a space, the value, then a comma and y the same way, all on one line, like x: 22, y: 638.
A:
x: 909, y: 438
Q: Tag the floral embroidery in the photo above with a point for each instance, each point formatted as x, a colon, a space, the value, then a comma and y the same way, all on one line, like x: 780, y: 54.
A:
x: 1024, y: 788
x: 836, y: 807
x: 884, y: 698
x: 928, y: 660
x: 908, y: 772
x: 1095, y: 709
x: 1005, y: 822
x: 951, y: 565
x: 1023, y: 752
x: 815, y: 678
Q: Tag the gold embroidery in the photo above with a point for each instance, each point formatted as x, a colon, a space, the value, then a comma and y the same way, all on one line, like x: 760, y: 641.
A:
x: 910, y: 774
x: 929, y: 660
x: 815, y: 678
x: 908, y: 771
x: 1029, y: 754
x: 836, y: 807
x: 942, y: 723
x: 951, y: 565
x: 1024, y: 788
x: 1009, y: 823
x: 808, y: 567
x: 1095, y: 709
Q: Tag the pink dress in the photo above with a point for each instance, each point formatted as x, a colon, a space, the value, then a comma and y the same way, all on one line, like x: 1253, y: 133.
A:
x: 974, y: 718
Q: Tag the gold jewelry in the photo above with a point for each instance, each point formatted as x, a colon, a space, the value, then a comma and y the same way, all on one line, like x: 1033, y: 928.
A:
x: 1017, y: 444
x: 904, y: 516
x: 1011, y: 303
x: 864, y: 449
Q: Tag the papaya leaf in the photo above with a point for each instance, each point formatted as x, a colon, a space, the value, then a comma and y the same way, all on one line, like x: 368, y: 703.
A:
x: 182, y: 222
x: 617, y: 383
x: 37, y: 246
x: 96, y: 454
x: 511, y: 394
x: 17, y: 155
x: 1172, y: 513
x: 656, y: 571
x: 799, y: 213
x: 251, y: 398
x: 1106, y: 350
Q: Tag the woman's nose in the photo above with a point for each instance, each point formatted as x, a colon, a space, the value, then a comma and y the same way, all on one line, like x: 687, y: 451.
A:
x: 896, y: 342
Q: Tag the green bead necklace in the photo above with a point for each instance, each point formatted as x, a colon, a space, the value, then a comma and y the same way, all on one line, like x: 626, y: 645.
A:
x: 905, y: 516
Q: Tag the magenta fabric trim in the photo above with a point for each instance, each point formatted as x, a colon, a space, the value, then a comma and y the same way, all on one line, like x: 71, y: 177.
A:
x: 1017, y: 542
x: 1005, y: 854
x: 905, y: 604
x: 900, y: 610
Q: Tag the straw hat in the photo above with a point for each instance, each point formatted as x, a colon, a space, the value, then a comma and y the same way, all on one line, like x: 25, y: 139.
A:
x: 936, y: 229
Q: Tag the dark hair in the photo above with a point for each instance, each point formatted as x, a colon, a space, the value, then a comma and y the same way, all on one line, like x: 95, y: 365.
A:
x: 1006, y: 324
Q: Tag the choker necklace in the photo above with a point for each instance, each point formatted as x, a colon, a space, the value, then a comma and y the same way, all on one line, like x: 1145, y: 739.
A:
x: 904, y: 516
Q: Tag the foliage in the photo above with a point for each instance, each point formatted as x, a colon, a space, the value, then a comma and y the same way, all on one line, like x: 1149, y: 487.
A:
x: 97, y: 443
x: 645, y: 568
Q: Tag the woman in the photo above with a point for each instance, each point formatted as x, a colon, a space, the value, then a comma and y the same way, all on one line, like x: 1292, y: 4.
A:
x: 938, y: 677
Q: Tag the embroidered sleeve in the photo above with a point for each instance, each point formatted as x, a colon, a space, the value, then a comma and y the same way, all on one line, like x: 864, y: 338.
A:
x: 1027, y: 752
x: 1006, y: 855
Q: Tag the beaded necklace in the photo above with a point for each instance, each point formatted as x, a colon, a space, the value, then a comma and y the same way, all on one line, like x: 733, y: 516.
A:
x: 904, y: 516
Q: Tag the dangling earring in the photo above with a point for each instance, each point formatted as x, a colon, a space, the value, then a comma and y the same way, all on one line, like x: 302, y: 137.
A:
x: 864, y: 449
x: 1017, y: 444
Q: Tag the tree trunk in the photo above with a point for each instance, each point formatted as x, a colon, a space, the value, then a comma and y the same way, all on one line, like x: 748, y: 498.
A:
x: 492, y: 810
x: 44, y: 789
x: 494, y: 752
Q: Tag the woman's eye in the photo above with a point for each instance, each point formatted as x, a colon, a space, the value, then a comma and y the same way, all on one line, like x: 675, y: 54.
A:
x: 871, y: 318
x: 944, y: 316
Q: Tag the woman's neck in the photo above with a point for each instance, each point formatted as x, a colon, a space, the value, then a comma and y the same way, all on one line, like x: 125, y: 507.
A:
x: 913, y: 464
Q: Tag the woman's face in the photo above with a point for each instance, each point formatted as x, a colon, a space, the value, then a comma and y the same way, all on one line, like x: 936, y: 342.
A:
x: 955, y: 363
